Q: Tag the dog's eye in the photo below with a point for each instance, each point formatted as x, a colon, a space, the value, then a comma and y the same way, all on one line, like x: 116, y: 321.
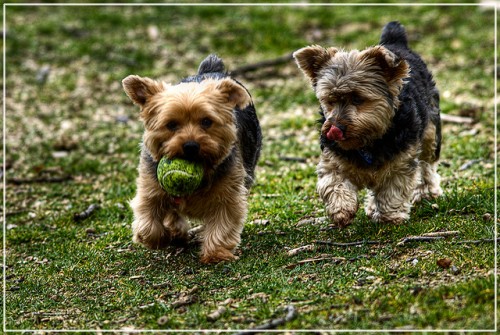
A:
x: 356, y: 100
x: 172, y: 125
x: 206, y: 122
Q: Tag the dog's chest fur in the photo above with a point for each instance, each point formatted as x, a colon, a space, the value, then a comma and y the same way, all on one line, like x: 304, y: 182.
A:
x: 371, y: 177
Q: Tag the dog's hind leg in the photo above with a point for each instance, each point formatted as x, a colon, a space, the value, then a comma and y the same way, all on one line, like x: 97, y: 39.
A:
x: 429, y: 180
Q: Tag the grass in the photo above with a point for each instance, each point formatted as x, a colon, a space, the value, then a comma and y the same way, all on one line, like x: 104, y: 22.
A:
x: 67, y: 274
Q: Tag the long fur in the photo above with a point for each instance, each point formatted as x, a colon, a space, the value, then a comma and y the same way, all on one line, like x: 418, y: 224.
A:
x: 384, y: 103
x: 229, y: 147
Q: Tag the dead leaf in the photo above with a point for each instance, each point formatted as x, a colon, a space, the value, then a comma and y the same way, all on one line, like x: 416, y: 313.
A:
x: 486, y: 217
x: 444, y: 263
x: 215, y: 315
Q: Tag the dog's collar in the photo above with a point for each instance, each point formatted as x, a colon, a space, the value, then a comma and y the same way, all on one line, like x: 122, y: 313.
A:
x: 176, y: 201
x: 366, y: 155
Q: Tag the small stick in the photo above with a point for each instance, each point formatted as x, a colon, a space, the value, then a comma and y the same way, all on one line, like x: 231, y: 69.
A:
x: 86, y: 213
x: 292, y: 159
x: 184, y: 301
x: 441, y: 233
x: 456, y: 119
x: 316, y: 260
x: 215, y: 315
x: 291, y: 314
x: 419, y: 239
x: 19, y: 181
x: 263, y: 64
x: 295, y: 251
x: 483, y: 240
x: 15, y: 212
x: 346, y: 244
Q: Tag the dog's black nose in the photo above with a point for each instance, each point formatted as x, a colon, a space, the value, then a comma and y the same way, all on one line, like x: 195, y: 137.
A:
x: 191, y: 149
x: 341, y: 127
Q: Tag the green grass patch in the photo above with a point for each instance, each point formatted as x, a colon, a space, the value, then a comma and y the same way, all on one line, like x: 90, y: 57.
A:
x: 67, y: 117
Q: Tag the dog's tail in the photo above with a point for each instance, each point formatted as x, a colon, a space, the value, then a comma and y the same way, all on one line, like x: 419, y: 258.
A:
x: 394, y: 33
x: 211, y: 64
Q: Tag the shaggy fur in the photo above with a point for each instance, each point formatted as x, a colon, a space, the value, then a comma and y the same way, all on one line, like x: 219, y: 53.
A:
x: 380, y: 127
x: 209, y: 118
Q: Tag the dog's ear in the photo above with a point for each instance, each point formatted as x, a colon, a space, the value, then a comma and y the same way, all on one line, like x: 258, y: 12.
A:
x: 392, y: 65
x: 140, y: 89
x: 234, y: 93
x: 312, y: 59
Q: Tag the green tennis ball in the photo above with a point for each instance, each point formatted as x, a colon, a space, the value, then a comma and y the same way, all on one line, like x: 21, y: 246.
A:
x: 179, y: 177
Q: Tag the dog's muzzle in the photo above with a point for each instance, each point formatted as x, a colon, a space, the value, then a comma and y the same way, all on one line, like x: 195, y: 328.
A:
x: 191, y: 150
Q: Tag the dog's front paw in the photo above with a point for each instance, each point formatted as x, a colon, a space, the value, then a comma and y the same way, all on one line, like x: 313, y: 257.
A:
x: 156, y: 236
x: 340, y: 198
x: 426, y: 192
x: 155, y: 241
x: 392, y: 218
x: 419, y: 194
x: 217, y: 255
x: 342, y: 209
x: 342, y: 214
x: 342, y: 218
x: 179, y: 240
x: 195, y: 234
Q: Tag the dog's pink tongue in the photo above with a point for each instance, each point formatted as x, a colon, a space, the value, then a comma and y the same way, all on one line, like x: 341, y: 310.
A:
x: 335, y: 134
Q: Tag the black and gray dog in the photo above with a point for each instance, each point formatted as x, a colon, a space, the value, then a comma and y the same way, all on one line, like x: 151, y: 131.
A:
x: 380, y: 127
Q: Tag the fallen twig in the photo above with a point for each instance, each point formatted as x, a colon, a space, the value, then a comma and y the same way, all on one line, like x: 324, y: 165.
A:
x: 86, y: 213
x: 315, y: 260
x: 19, y: 181
x: 312, y: 221
x: 441, y: 233
x: 15, y: 212
x: 263, y: 64
x: 215, y: 315
x: 161, y: 285
x: 292, y: 159
x: 456, y: 119
x: 419, y: 239
x: 291, y: 313
x: 186, y: 298
x: 295, y: 251
x: 184, y: 301
x: 426, y: 237
x: 348, y: 244
x: 50, y: 313
x: 483, y: 240
x: 468, y: 164
x: 147, y: 306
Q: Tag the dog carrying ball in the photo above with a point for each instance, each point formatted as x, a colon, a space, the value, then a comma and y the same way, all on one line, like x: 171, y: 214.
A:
x: 179, y: 177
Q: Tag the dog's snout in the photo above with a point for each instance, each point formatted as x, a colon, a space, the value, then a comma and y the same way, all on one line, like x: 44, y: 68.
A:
x: 341, y: 127
x: 191, y: 149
